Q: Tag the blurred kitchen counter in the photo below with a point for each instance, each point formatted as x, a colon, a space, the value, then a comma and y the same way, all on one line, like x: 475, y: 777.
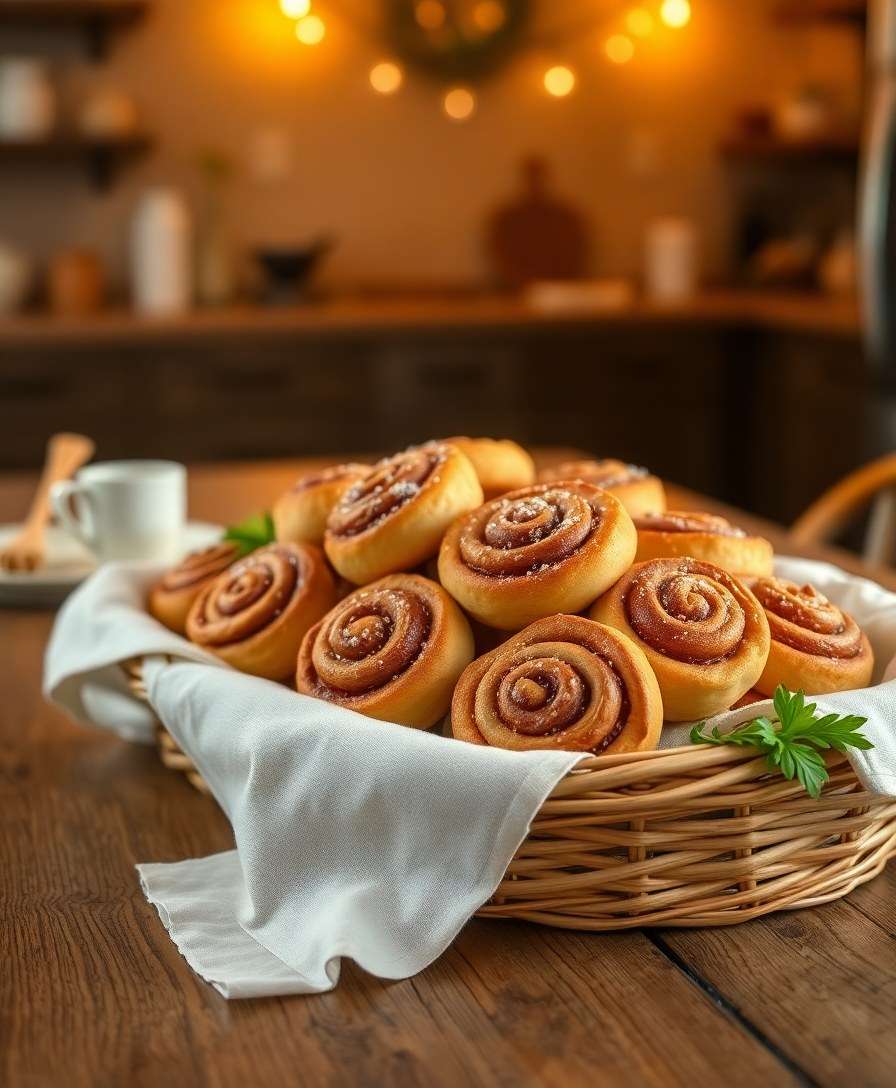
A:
x: 371, y: 315
x: 762, y: 399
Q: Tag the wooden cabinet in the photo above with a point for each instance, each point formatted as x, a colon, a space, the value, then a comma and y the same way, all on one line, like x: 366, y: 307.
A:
x: 817, y: 416
x: 761, y: 418
x: 653, y: 398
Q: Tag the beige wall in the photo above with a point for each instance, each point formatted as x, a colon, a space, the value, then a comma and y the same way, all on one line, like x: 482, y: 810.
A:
x: 404, y: 190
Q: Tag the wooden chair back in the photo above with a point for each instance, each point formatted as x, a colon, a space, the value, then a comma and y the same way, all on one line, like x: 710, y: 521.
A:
x: 874, y: 484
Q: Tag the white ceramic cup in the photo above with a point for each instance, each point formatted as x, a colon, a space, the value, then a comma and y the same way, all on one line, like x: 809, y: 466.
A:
x: 125, y: 509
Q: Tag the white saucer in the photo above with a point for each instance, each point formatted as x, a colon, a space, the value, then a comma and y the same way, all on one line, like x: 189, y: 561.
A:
x: 68, y: 563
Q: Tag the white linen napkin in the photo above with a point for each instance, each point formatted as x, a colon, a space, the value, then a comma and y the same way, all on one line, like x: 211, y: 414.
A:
x: 353, y: 837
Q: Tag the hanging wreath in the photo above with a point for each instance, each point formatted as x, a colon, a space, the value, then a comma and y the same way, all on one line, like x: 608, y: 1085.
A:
x: 464, y: 40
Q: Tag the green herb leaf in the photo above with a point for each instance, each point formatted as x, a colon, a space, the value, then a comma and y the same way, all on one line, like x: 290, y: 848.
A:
x: 793, y: 747
x: 254, y: 532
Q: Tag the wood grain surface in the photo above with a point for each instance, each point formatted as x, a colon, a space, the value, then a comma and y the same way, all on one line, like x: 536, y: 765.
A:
x: 93, y: 992
x: 444, y: 311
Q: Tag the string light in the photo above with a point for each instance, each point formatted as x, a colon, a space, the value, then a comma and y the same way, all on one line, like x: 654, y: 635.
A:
x: 639, y: 22
x: 459, y: 103
x: 619, y: 48
x: 489, y: 16
x: 675, y: 13
x: 559, y: 81
x: 295, y: 9
x: 386, y: 77
x: 310, y: 29
x: 430, y: 14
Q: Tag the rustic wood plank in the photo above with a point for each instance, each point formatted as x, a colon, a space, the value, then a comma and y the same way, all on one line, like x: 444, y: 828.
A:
x: 820, y: 984
x: 94, y: 986
x: 94, y: 991
x: 877, y: 901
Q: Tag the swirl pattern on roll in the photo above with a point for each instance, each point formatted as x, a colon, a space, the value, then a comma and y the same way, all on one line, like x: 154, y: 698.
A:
x: 686, y: 610
x: 564, y: 682
x: 687, y: 522
x: 251, y: 595
x: 370, y: 638
x: 331, y: 475
x: 392, y: 650
x: 388, y: 486
x: 540, y: 551
x: 200, y: 565
x: 605, y: 473
x: 804, y: 619
x: 530, y: 529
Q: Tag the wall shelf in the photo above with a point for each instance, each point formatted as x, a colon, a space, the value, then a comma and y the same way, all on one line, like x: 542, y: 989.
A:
x: 814, y: 11
x: 773, y: 149
x: 95, y: 19
x: 101, y: 158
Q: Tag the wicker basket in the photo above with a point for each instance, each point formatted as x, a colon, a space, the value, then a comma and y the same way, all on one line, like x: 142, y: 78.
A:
x: 693, y: 836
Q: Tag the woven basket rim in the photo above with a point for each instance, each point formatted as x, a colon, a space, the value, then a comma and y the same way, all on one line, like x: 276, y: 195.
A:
x: 695, y: 835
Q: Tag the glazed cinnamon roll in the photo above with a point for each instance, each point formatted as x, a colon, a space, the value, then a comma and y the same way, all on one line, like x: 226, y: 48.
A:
x: 300, y: 515
x: 816, y: 647
x: 703, y: 631
x: 171, y: 598
x: 563, y: 682
x: 702, y: 536
x: 392, y: 650
x: 638, y: 491
x: 255, y: 614
x: 394, y: 518
x: 500, y: 464
x: 544, y: 549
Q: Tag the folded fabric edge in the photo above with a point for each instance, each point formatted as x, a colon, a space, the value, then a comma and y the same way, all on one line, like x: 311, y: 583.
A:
x: 165, y: 917
x: 528, y: 799
x: 197, y: 903
x: 195, y: 897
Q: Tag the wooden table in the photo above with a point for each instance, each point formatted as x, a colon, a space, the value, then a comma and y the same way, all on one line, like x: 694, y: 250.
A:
x: 92, y: 991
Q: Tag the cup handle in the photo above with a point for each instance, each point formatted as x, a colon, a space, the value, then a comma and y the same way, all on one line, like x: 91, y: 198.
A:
x: 61, y: 495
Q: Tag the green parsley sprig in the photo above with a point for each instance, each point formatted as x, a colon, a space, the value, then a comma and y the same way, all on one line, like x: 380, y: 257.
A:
x: 793, y: 747
x: 254, y: 532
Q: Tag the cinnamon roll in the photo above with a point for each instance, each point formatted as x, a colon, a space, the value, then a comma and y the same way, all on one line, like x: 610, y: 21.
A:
x: 638, y: 491
x: 392, y: 650
x: 702, y: 536
x: 816, y: 647
x: 703, y: 631
x: 255, y: 614
x: 500, y: 464
x: 394, y: 518
x: 171, y: 598
x: 300, y: 515
x: 544, y: 549
x: 563, y: 682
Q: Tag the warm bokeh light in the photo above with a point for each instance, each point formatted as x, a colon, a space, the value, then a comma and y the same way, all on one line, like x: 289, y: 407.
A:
x: 489, y: 16
x: 619, y: 48
x: 639, y: 22
x: 310, y: 30
x: 459, y: 103
x: 559, y: 81
x: 675, y: 13
x: 430, y: 14
x: 295, y: 9
x: 386, y: 77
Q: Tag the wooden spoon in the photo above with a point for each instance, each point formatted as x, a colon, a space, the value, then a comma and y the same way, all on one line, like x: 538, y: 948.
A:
x: 65, y: 455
